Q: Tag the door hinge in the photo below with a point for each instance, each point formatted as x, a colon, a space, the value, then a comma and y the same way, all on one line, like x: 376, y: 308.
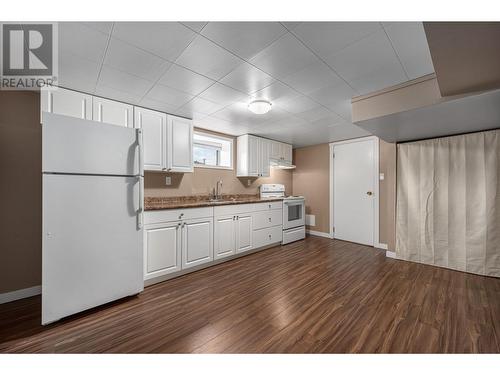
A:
x: 333, y: 229
x: 333, y: 154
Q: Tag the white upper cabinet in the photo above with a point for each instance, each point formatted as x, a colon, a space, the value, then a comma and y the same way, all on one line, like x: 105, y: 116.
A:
x: 154, y: 134
x: 264, y: 152
x: 253, y: 156
x: 281, y: 152
x: 168, y: 141
x: 112, y: 112
x: 66, y: 102
x: 179, y: 144
x: 287, y: 152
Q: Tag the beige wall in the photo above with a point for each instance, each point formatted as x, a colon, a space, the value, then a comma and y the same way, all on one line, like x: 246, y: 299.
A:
x: 311, y: 179
x: 20, y: 190
x: 203, y: 180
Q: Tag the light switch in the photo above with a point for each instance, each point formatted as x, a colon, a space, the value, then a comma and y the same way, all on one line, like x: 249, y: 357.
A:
x: 381, y: 177
x: 168, y: 180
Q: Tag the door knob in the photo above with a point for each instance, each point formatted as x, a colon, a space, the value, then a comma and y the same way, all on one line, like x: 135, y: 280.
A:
x: 369, y: 193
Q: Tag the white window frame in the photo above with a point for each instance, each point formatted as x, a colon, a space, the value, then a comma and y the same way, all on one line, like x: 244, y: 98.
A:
x: 222, y: 138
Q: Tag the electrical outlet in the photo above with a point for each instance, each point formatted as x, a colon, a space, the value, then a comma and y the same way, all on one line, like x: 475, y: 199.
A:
x: 249, y: 182
x: 381, y: 177
x: 168, y: 180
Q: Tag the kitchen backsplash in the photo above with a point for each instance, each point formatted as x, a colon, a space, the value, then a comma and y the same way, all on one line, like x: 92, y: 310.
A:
x: 203, y: 180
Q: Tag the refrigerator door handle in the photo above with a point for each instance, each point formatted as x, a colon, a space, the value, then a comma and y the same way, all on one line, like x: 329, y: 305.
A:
x: 141, y: 151
x: 140, y: 213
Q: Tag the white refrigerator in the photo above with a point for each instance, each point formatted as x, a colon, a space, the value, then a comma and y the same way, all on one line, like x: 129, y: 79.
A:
x: 92, y: 214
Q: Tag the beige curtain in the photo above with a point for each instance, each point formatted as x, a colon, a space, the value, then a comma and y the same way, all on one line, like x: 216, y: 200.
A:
x: 448, y: 202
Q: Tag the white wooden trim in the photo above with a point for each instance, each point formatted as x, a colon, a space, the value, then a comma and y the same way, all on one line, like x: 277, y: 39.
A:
x: 390, y: 254
x: 376, y: 182
x: 381, y: 246
x: 319, y: 234
x: 20, y: 294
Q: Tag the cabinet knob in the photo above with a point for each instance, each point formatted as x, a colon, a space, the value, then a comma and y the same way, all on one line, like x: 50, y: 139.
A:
x: 269, y: 236
x: 269, y: 219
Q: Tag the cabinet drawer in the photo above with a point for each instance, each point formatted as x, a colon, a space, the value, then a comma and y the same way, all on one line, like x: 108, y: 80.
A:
x: 267, y: 236
x: 232, y: 209
x: 266, y: 219
x: 267, y: 206
x: 161, y: 216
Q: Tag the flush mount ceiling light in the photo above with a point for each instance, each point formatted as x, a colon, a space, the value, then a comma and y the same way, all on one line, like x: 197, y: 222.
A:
x: 260, y: 107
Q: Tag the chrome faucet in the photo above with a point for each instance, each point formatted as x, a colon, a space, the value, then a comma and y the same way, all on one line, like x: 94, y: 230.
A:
x: 218, y: 191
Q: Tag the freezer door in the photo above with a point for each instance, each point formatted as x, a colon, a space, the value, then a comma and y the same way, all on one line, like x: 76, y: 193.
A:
x: 72, y: 145
x: 92, y: 243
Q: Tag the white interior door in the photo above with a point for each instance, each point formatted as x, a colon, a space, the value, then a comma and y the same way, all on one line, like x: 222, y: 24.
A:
x: 354, y: 191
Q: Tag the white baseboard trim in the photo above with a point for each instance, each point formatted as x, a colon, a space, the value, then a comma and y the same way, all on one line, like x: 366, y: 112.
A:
x: 20, y: 294
x: 390, y: 254
x: 319, y: 234
x: 382, y: 246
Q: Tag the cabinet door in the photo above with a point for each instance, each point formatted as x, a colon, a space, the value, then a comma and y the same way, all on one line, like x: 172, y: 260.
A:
x: 243, y: 233
x: 224, y: 236
x: 275, y: 150
x: 253, y: 156
x: 287, y: 153
x: 180, y: 145
x: 154, y: 127
x: 162, y: 246
x: 197, y: 242
x: 264, y: 151
x: 66, y: 102
x: 112, y: 112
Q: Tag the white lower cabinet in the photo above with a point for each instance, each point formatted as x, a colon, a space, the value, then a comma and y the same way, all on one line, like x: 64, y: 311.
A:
x: 243, y: 229
x: 232, y: 234
x: 267, y: 236
x: 197, y: 242
x: 163, y: 249
x: 224, y: 236
x: 179, y: 239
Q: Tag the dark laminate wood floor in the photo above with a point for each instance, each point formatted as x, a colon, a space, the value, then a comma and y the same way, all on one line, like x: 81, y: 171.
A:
x: 313, y: 296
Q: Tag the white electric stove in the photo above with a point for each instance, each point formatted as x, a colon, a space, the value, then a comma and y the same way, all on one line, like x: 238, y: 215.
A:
x: 294, y: 209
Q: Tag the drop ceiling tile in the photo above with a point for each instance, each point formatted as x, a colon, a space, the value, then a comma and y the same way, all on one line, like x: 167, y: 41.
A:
x: 290, y: 25
x: 410, y: 43
x: 110, y: 93
x: 208, y: 59
x: 83, y: 41
x: 158, y: 106
x: 298, y: 104
x: 326, y: 38
x: 276, y: 91
x: 247, y: 78
x: 313, y: 77
x: 244, y: 39
x: 169, y: 95
x: 77, y: 73
x: 327, y: 121
x: 285, y: 56
x: 386, y: 76
x: 364, y: 57
x: 104, y: 27
x: 132, y: 60
x: 121, y: 81
x: 164, y: 39
x: 196, y: 26
x: 223, y: 95
x: 337, y: 98
x: 185, y: 80
x: 319, y: 113
x: 202, y: 106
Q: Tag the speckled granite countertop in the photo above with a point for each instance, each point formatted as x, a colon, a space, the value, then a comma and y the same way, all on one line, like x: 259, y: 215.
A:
x: 165, y: 203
